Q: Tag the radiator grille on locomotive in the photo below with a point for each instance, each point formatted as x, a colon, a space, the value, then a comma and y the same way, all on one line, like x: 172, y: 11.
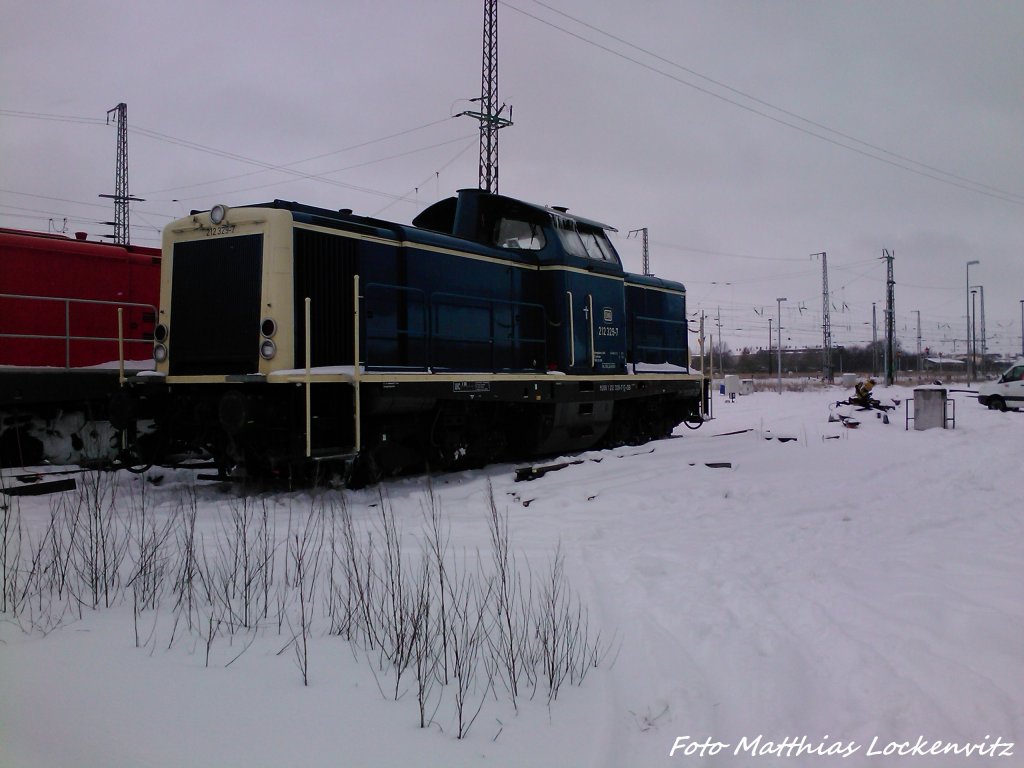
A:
x: 324, y: 271
x: 215, y: 306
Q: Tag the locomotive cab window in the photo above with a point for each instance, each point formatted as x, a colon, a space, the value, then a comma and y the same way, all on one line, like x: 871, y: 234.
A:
x: 513, y: 232
x: 503, y: 224
x: 585, y: 242
x: 598, y: 246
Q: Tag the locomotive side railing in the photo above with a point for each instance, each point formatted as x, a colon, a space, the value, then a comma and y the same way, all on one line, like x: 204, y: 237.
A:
x: 67, y: 336
x: 383, y: 300
x: 513, y: 340
x: 396, y: 315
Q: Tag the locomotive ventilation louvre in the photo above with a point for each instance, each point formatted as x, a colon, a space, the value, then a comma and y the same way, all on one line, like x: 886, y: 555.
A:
x: 215, y: 306
x: 324, y: 271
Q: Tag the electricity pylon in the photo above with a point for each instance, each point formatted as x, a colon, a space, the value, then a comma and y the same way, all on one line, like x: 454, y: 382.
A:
x: 490, y: 117
x: 122, y: 228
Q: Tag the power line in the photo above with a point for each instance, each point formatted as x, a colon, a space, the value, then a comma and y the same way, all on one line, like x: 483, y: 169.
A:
x: 415, y: 190
x: 322, y: 176
x: 70, y: 218
x: 707, y: 252
x: 196, y: 146
x: 775, y: 107
x: 953, y: 180
x: 56, y: 199
x: 35, y: 213
x: 268, y: 166
x: 57, y: 118
x: 320, y: 156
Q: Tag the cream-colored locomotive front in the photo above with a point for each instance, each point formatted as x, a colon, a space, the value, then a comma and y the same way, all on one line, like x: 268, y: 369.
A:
x: 270, y: 350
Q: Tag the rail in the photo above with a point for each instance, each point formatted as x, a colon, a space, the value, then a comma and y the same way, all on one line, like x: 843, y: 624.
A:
x: 67, y: 337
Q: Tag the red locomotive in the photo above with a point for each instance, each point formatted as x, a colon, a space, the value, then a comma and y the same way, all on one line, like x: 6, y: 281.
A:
x: 60, y: 342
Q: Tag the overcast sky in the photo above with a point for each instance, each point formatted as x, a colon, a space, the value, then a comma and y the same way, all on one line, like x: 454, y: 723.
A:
x: 744, y: 135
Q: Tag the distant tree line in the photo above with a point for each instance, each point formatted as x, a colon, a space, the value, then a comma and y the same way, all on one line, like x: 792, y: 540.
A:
x: 866, y: 359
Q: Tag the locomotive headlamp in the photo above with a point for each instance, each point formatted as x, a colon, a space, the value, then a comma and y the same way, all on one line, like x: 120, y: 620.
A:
x: 268, y: 327
x: 218, y: 213
x: 160, y: 333
x: 159, y: 353
x: 268, y: 349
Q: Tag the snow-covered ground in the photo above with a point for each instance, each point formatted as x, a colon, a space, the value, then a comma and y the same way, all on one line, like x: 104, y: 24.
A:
x: 849, y: 590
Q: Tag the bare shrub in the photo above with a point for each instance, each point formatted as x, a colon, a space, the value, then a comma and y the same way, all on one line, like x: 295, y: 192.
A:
x: 342, y: 610
x: 562, y: 630
x: 510, y: 606
x: 437, y: 537
x: 454, y: 629
x: 149, y: 537
x: 426, y: 651
x: 11, y: 537
x: 468, y: 633
x: 305, y: 552
x: 186, y: 571
x: 100, y: 539
x: 398, y: 607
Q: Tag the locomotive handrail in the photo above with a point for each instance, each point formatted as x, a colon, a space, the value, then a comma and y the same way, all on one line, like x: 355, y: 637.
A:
x: 357, y: 400
x: 590, y: 318
x: 572, y: 333
x: 309, y: 366
x: 307, y: 378
x: 67, y: 337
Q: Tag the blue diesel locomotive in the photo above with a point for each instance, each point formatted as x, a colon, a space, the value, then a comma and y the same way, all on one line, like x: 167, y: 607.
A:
x: 289, y: 335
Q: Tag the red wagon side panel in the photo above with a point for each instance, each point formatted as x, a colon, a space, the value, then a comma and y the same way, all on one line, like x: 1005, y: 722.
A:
x: 69, y: 278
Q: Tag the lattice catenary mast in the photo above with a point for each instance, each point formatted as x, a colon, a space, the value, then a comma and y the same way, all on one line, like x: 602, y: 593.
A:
x: 826, y: 322
x: 647, y: 256
x: 491, y: 120
x: 122, y: 228
x: 890, y: 320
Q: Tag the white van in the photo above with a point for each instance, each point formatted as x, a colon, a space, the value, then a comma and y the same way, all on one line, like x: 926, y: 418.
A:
x: 1005, y: 392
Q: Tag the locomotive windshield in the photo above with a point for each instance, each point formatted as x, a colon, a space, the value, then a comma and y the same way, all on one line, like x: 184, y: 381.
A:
x: 584, y: 241
x: 512, y: 231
